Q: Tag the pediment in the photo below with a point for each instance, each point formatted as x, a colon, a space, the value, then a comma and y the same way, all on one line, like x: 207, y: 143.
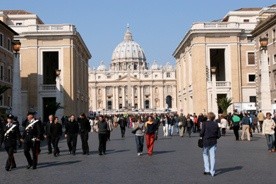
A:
x: 125, y: 79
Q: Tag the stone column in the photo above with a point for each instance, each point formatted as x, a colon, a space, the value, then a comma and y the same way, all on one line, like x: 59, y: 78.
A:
x: 265, y: 83
x: 16, y: 88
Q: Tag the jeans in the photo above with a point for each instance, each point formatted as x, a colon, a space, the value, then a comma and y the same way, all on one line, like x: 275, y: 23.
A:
x: 139, y: 143
x: 270, y: 139
x: 209, y: 158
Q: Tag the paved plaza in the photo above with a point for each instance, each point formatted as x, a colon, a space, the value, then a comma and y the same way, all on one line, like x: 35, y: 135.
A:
x: 175, y: 160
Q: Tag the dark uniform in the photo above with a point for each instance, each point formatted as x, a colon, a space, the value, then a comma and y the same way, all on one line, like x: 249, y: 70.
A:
x: 103, y: 128
x: 56, y: 133
x: 85, y: 128
x: 71, y: 131
x: 32, y: 136
x: 12, y: 134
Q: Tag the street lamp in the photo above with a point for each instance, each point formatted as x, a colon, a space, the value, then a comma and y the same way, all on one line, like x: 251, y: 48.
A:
x: 265, y: 101
x: 214, y: 90
x: 16, y: 83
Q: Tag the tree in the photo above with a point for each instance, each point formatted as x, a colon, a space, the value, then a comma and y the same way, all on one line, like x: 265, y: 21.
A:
x: 52, y: 107
x: 224, y: 103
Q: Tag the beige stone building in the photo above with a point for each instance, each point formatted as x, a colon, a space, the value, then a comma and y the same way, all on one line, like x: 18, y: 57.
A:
x: 45, y: 49
x: 227, y: 45
x: 129, y: 85
x: 6, y: 66
x: 266, y: 60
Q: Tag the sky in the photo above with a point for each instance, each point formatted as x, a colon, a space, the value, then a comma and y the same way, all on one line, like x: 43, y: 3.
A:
x: 157, y: 26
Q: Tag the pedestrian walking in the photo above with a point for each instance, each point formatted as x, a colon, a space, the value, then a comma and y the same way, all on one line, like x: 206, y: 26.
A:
x: 139, y: 128
x: 261, y: 118
x: 102, y: 134
x: 245, y: 122
x: 56, y: 133
x: 85, y: 128
x: 71, y: 133
x: 181, y: 124
x: 31, y: 137
x: 210, y: 133
x: 268, y: 131
x: 236, y: 125
x: 151, y: 127
x: 223, y: 125
x: 11, y: 135
x: 48, y: 133
x: 190, y: 124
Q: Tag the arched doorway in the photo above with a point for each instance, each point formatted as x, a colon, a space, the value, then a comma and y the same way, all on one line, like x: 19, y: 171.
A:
x: 169, y: 102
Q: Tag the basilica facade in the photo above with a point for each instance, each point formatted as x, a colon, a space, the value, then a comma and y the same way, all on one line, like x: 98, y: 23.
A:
x: 129, y: 84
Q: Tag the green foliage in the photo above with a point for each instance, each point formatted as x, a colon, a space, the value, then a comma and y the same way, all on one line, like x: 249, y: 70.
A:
x: 224, y: 103
x: 52, y: 107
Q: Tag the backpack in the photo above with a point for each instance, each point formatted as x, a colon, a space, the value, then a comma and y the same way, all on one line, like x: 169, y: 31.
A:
x: 236, y: 119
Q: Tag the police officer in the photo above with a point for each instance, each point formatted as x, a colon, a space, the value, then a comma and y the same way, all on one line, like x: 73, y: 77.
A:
x: 85, y: 128
x: 12, y: 134
x: 71, y: 133
x: 31, y: 137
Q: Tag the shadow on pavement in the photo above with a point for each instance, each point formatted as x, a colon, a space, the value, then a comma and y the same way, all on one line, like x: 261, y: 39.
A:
x: 229, y: 169
x: 50, y: 164
x: 162, y: 152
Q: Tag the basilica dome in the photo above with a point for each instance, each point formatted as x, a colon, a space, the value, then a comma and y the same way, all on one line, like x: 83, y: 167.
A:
x: 128, y: 51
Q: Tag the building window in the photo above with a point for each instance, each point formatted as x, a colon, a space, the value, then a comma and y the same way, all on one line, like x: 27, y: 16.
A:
x: 252, y: 99
x: 18, y: 23
x: 9, y: 44
x: 274, y: 58
x: 251, y: 78
x: 99, y: 77
x: 156, y: 76
x: 120, y: 76
x: 1, y: 72
x: 168, y: 75
x: 135, y: 76
x: 251, y: 58
x: 9, y: 77
x: 2, y: 100
x: 146, y: 76
x: 245, y: 20
x: 1, y: 39
x: 273, y: 35
x: 9, y: 101
x: 109, y: 77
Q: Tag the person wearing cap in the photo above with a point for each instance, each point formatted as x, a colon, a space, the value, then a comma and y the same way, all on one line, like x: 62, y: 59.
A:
x: 31, y: 140
x: 11, y: 136
x: 85, y: 128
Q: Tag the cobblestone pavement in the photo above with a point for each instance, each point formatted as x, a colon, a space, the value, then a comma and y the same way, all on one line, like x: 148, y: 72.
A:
x: 175, y: 160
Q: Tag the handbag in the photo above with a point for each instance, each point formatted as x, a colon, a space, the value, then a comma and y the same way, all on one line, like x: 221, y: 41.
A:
x: 135, y: 130
x: 200, y: 143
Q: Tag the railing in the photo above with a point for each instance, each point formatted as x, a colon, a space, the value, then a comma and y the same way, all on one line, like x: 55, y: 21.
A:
x: 42, y: 27
x: 223, y: 25
x: 223, y: 84
x: 48, y: 87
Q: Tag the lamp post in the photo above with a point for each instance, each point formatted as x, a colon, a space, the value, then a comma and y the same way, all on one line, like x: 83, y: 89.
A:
x: 16, y: 84
x: 214, y: 90
x: 58, y: 91
x: 265, y: 101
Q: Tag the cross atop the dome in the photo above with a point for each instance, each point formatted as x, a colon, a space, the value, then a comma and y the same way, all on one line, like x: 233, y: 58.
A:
x: 128, y: 35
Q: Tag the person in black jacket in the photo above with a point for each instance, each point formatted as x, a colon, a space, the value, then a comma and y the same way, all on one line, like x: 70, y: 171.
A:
x: 71, y: 133
x: 85, y: 128
x: 210, y: 132
x: 32, y: 136
x: 56, y: 133
x: 102, y: 131
x: 123, y: 123
x: 48, y: 133
x: 12, y: 134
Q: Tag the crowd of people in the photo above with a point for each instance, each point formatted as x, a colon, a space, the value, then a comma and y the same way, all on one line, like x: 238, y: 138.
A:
x: 144, y: 126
